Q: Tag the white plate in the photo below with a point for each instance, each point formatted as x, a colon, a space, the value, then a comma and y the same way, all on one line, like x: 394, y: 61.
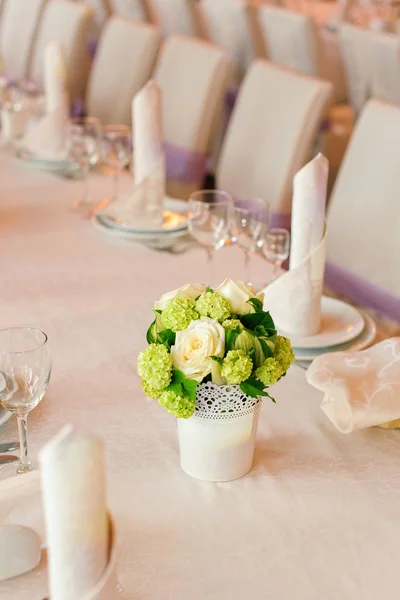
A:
x: 69, y: 167
x: 5, y: 415
x: 341, y: 323
x: 362, y: 341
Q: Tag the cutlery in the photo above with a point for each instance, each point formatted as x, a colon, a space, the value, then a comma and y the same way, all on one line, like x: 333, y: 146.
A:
x: 8, y: 446
x: 7, y: 459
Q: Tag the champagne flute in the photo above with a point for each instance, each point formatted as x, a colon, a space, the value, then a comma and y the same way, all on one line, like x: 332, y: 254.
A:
x: 276, y: 248
x: 251, y: 221
x: 210, y: 220
x: 83, y: 141
x: 25, y: 369
x: 117, y: 150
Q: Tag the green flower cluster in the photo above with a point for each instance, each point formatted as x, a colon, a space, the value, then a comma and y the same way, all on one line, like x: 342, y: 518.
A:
x: 179, y: 313
x: 178, y: 406
x: 237, y: 367
x: 213, y: 305
x: 154, y: 366
x: 232, y: 324
x: 274, y: 367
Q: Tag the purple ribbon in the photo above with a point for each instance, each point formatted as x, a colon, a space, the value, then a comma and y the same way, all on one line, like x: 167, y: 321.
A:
x: 91, y: 47
x: 230, y: 100
x: 362, y: 292
x: 185, y: 165
x: 78, y: 108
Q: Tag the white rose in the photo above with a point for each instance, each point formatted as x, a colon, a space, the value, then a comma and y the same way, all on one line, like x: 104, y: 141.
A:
x: 194, y: 346
x: 238, y: 293
x: 186, y: 291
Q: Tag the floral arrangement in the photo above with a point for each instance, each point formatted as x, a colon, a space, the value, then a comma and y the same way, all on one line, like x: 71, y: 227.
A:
x: 222, y: 335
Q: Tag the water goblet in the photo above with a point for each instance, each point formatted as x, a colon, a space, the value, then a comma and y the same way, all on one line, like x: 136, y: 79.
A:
x: 83, y: 145
x: 210, y: 218
x: 117, y: 150
x: 25, y: 369
x: 251, y: 221
x: 276, y: 248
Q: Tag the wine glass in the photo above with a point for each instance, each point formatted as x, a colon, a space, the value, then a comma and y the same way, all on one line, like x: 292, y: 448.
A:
x: 117, y: 150
x: 25, y: 369
x: 210, y: 220
x: 83, y: 145
x: 251, y: 221
x: 276, y: 248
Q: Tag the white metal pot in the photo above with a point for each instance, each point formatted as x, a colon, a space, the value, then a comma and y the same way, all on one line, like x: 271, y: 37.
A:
x: 217, y: 442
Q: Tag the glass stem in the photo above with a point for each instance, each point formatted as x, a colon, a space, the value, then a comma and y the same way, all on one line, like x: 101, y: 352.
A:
x: 24, y: 464
x: 116, y: 184
x: 247, y: 267
x: 210, y: 265
x: 276, y: 269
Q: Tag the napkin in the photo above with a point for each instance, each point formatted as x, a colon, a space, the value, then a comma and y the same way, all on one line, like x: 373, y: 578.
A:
x: 361, y: 389
x: 73, y: 488
x: 144, y: 205
x: 295, y: 298
x: 47, y: 138
x: 21, y: 502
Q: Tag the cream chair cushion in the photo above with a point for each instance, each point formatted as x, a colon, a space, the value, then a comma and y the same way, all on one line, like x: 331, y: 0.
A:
x: 271, y: 133
x: 364, y: 213
x: 356, y: 57
x: 123, y: 63
x: 69, y: 24
x: 385, y: 66
x: 18, y: 28
x: 174, y: 16
x: 193, y: 76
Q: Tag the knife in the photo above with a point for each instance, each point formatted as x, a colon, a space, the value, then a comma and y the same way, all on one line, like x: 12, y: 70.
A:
x: 7, y: 459
x: 8, y: 446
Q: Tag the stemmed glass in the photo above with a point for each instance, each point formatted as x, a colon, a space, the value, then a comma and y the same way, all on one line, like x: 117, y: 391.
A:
x: 276, y: 248
x: 83, y: 145
x: 117, y: 150
x: 25, y: 369
x: 251, y: 223
x: 210, y: 220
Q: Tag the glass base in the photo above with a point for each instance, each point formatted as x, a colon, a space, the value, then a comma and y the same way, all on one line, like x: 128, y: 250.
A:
x: 16, y: 468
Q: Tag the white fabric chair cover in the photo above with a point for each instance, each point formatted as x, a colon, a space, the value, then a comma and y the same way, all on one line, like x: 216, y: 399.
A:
x: 111, y: 88
x: 129, y: 9
x: 271, y: 133
x: 102, y: 12
x: 226, y: 23
x: 364, y: 212
x: 385, y: 66
x: 174, y: 16
x: 355, y: 51
x: 69, y: 24
x: 193, y: 76
x: 18, y: 27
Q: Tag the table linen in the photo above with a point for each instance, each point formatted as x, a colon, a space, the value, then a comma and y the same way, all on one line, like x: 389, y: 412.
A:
x: 319, y: 515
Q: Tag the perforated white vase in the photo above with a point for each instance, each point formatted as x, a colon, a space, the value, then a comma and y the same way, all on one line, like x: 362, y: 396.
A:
x: 217, y: 442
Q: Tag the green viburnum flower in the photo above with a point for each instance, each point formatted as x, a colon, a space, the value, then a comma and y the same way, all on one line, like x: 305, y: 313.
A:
x: 154, y: 366
x: 283, y: 352
x: 237, y: 367
x: 270, y: 371
x: 179, y: 406
x: 232, y: 324
x: 179, y: 313
x: 213, y: 305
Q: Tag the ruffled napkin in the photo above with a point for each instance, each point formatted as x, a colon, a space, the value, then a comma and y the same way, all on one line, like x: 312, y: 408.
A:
x: 47, y: 139
x: 361, y: 389
x: 144, y: 205
x: 77, y: 524
x: 295, y: 298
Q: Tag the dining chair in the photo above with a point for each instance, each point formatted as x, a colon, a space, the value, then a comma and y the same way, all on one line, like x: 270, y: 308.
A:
x: 101, y: 12
x: 363, y: 245
x: 271, y: 134
x: 18, y: 28
x: 385, y: 66
x: 69, y: 24
x: 130, y: 9
x: 111, y: 88
x: 174, y: 16
x: 193, y: 76
x: 356, y: 56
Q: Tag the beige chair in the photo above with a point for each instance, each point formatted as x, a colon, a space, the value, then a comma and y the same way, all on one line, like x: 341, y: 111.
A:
x: 130, y: 9
x: 18, y: 28
x: 357, y: 59
x: 174, y: 16
x: 364, y: 215
x: 193, y: 76
x: 123, y: 63
x: 385, y: 66
x: 271, y: 134
x: 69, y: 24
x: 102, y: 11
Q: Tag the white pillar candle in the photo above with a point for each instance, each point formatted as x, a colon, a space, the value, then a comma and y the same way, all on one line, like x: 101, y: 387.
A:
x: 74, y: 498
x: 55, y: 79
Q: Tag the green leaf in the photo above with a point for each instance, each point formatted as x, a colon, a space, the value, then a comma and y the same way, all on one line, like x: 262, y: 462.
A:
x: 256, y: 303
x: 166, y: 337
x: 231, y: 336
x: 180, y: 385
x: 177, y: 376
x: 253, y: 387
x: 254, y: 320
x: 159, y: 312
x: 266, y: 350
x: 217, y: 359
x: 189, y: 387
x: 208, y: 289
x: 175, y: 387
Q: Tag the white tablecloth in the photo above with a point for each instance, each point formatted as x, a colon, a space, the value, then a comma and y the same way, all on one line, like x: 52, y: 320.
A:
x: 318, y: 518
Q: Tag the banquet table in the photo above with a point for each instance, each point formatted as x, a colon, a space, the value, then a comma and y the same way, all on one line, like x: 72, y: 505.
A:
x: 318, y: 517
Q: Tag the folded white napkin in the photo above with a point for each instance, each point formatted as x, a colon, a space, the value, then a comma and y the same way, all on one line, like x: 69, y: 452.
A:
x: 295, y: 298
x: 21, y: 502
x: 144, y: 205
x: 74, y: 497
x: 361, y: 389
x: 47, y: 139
